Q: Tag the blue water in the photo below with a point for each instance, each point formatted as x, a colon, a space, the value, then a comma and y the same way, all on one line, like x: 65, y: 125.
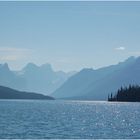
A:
x: 68, y: 119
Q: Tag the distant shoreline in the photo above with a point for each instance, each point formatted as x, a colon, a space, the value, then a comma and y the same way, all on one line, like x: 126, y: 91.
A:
x: 9, y: 93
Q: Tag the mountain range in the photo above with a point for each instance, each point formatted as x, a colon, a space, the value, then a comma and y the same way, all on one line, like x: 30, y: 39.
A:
x: 87, y: 84
x: 33, y: 78
x: 90, y: 84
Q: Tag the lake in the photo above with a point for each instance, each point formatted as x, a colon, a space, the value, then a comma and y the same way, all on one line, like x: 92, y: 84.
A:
x: 68, y: 119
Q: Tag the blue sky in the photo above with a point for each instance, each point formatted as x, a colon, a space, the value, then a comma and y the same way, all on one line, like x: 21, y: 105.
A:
x: 68, y: 35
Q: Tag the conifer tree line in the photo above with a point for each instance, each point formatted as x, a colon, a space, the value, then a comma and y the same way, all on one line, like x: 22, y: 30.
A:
x: 126, y: 94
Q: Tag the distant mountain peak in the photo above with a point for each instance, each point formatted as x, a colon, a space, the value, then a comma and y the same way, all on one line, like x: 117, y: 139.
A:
x: 30, y: 66
x: 4, y: 66
x: 131, y: 58
x: 87, y: 70
x: 46, y: 66
x: 138, y: 58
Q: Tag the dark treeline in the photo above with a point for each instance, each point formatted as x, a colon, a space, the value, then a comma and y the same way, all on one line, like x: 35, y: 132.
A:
x: 126, y: 94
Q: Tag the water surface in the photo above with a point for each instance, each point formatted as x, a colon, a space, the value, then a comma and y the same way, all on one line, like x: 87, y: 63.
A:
x: 68, y: 119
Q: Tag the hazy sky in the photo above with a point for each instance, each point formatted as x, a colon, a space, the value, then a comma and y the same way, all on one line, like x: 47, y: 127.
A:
x: 69, y: 35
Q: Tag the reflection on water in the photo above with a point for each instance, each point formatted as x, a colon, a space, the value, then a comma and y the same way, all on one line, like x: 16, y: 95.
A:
x: 68, y: 119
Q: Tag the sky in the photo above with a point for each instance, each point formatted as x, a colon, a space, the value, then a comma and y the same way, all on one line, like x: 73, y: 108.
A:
x: 68, y: 35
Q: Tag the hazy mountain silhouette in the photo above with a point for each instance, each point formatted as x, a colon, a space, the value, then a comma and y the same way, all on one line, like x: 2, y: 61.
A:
x: 10, y: 79
x: 33, y: 78
x: 8, y: 93
x: 96, y: 84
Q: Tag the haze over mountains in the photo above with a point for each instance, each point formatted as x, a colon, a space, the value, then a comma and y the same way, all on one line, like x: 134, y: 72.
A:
x: 90, y: 84
x: 33, y: 78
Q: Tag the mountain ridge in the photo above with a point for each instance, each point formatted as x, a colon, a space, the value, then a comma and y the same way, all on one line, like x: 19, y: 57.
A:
x: 9, y: 93
x: 33, y: 78
x: 98, y: 83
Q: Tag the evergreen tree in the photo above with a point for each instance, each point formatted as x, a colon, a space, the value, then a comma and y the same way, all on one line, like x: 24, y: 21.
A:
x: 130, y: 94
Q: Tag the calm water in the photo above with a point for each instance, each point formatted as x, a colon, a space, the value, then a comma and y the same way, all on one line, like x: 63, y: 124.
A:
x: 69, y: 119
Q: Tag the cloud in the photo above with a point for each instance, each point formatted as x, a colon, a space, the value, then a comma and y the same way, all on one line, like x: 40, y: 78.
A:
x: 120, y: 48
x: 9, y: 58
x: 13, y: 53
x: 12, y: 49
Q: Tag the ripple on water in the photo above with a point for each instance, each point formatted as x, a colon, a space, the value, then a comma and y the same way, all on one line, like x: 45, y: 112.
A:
x: 69, y: 119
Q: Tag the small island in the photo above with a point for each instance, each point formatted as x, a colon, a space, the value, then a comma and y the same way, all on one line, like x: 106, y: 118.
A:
x: 126, y: 94
x: 8, y: 93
